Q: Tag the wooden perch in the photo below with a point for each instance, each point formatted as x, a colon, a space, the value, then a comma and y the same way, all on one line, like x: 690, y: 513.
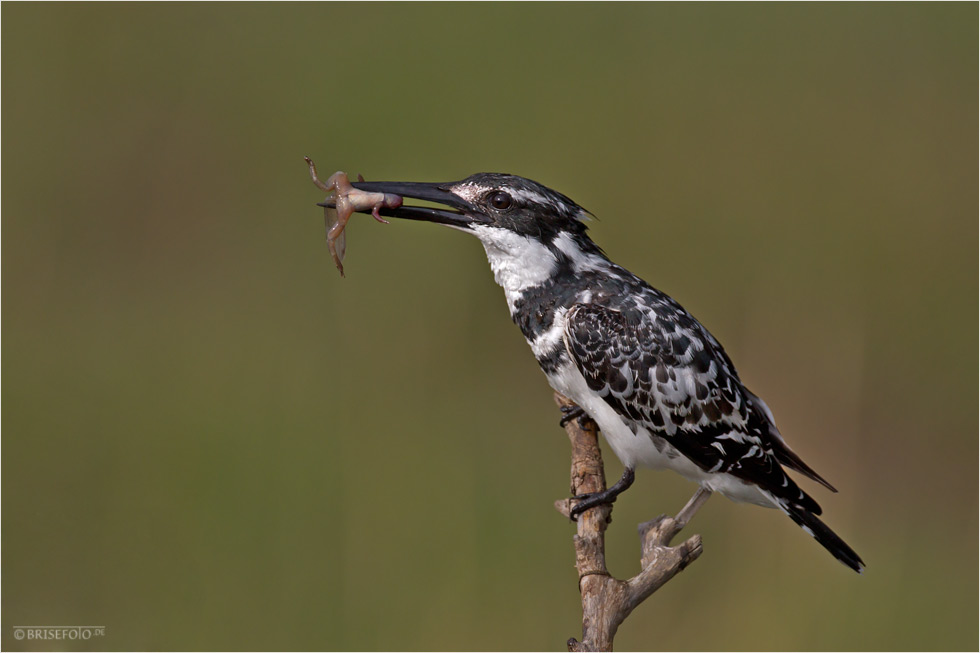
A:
x: 607, y: 601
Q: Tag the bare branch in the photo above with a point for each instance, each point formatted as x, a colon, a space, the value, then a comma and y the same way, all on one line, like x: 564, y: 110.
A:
x: 607, y: 601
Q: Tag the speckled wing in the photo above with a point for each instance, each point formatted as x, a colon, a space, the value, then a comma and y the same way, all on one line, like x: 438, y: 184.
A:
x: 660, y: 370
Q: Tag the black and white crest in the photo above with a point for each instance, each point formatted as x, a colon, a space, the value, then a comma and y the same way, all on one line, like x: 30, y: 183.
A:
x: 535, y: 210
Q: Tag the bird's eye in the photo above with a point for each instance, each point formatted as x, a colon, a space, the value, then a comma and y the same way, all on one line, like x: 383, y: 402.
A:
x: 500, y: 200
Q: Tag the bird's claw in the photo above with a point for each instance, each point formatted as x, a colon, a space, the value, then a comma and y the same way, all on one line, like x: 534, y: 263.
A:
x: 593, y: 499
x: 588, y: 501
x: 569, y: 413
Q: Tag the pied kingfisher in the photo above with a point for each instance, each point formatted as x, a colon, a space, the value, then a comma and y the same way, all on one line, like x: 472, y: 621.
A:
x: 660, y: 387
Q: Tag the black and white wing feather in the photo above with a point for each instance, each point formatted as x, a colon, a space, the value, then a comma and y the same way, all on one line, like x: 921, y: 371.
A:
x: 662, y: 371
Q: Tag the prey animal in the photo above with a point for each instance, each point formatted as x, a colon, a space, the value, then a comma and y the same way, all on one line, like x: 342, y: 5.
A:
x: 337, y: 210
x: 660, y: 387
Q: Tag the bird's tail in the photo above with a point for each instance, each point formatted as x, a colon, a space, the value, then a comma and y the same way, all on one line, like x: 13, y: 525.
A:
x: 822, y: 533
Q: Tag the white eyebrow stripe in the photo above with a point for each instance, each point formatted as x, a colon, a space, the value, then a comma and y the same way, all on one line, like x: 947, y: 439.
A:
x: 528, y: 196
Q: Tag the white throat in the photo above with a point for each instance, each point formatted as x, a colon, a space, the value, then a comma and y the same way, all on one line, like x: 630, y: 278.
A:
x: 518, y: 262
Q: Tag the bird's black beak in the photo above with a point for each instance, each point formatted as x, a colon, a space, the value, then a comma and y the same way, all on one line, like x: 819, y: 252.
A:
x: 459, y: 214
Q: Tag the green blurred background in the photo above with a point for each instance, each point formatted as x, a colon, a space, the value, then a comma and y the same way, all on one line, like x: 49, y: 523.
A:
x: 212, y: 441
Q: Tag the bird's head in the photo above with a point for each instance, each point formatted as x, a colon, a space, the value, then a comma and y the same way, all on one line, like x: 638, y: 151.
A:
x: 530, y: 232
x: 487, y: 203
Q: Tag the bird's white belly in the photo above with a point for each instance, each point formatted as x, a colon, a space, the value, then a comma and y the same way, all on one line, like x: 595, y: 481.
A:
x: 632, y: 449
x: 640, y: 449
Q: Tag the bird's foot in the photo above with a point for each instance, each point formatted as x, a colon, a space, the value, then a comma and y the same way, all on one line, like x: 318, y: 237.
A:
x: 593, y: 499
x: 572, y: 412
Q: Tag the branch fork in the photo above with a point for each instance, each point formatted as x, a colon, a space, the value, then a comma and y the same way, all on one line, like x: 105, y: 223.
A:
x: 607, y: 601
